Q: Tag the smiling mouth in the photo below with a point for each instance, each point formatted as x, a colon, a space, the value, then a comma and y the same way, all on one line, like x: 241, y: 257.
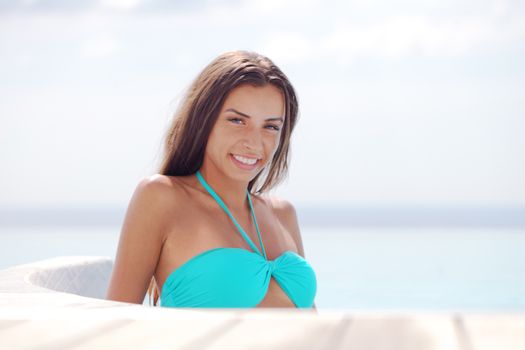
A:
x: 246, y: 160
x: 245, y: 163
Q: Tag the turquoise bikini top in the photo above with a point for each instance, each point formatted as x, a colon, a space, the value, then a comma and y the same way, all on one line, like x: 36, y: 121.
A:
x: 229, y: 277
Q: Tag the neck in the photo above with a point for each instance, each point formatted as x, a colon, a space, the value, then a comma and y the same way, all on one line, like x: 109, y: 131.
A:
x: 232, y: 192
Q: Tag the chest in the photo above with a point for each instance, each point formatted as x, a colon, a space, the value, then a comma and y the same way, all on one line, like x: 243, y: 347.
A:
x: 197, y: 230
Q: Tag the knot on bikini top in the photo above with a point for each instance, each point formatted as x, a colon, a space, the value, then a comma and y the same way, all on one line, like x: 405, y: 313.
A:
x: 236, y: 277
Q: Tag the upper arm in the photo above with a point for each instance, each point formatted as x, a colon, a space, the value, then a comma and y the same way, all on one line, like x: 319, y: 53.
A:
x: 140, y: 242
x: 288, y: 217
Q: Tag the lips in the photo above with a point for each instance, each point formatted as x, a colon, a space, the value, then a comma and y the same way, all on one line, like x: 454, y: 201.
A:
x: 243, y: 162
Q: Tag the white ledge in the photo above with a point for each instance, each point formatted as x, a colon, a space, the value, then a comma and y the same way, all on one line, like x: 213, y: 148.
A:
x: 58, y: 304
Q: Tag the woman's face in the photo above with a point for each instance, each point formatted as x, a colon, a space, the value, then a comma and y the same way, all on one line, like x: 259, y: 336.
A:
x: 247, y: 131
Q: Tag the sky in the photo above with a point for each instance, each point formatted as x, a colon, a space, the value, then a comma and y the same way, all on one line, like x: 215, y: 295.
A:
x: 401, y: 103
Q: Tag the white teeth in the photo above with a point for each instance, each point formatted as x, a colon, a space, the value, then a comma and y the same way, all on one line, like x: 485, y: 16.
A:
x: 248, y: 161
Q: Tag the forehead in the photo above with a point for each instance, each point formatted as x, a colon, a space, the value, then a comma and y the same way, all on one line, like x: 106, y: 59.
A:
x: 256, y: 101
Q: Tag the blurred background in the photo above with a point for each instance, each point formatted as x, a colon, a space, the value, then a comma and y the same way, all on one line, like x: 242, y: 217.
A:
x: 408, y: 162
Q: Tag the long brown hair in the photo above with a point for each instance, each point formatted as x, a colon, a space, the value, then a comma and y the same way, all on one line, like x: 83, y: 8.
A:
x: 193, y: 121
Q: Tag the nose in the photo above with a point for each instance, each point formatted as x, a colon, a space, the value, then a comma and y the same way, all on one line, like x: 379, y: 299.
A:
x: 253, y: 141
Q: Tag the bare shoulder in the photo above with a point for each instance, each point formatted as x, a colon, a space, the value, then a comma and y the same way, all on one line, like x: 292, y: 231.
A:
x: 158, y: 183
x: 157, y: 197
x: 281, y: 207
x: 141, y: 239
x: 160, y: 187
x: 287, y: 215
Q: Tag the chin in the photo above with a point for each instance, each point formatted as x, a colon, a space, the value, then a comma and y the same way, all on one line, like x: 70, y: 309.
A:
x: 244, y: 177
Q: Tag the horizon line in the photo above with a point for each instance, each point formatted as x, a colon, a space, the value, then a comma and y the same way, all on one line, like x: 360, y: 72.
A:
x: 325, y: 216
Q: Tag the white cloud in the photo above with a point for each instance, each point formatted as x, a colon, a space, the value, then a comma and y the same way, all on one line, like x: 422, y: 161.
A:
x: 100, y: 47
x: 287, y: 47
x: 272, y: 6
x: 123, y: 5
x: 399, y: 36
x: 404, y: 35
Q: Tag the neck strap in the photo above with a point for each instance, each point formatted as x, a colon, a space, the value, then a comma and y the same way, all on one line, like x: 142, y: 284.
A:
x: 225, y: 208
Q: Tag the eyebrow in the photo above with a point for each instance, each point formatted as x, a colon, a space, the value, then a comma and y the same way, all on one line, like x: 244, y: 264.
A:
x: 247, y: 116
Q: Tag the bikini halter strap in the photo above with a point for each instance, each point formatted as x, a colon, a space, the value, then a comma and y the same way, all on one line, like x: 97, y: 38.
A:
x: 223, y: 206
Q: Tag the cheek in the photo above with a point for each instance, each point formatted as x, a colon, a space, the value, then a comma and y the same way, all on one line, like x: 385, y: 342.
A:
x: 215, y: 144
x: 219, y: 136
x: 273, y: 143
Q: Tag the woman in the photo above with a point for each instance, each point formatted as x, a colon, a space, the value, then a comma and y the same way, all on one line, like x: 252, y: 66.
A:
x: 203, y: 233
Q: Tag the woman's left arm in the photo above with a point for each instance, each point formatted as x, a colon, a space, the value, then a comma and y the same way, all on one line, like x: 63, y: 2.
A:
x: 288, y: 216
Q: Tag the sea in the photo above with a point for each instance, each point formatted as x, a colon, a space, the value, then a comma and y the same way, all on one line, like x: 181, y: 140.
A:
x: 367, y: 268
